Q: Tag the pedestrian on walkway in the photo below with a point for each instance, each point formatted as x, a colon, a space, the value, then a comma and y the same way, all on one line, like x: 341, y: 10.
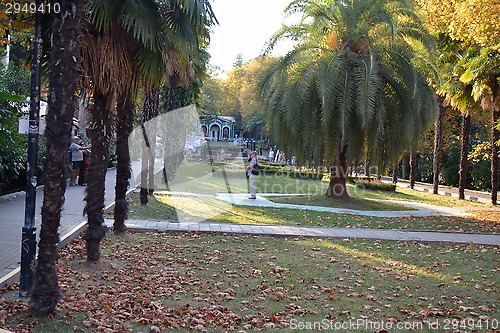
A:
x: 82, y: 177
x: 253, y: 173
x: 76, y: 159
x: 271, y: 155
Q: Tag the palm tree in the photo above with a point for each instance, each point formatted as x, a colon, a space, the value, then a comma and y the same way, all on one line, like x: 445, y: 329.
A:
x: 63, y: 81
x: 480, y: 68
x: 121, y: 35
x: 459, y: 96
x: 348, y: 81
x: 185, y: 34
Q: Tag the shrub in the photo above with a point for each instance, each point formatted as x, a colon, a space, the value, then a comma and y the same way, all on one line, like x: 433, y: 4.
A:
x: 375, y: 185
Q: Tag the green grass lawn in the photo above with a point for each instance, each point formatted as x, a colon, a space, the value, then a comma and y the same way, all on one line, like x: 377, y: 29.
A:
x: 199, y: 178
x: 204, y: 178
x: 206, y: 209
x: 189, y: 282
x: 207, y: 179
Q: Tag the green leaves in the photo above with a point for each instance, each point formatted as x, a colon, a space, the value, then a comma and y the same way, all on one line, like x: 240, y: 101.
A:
x: 140, y: 18
x: 364, y: 75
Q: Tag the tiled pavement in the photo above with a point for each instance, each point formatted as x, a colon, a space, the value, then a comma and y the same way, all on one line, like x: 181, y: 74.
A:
x: 317, y: 232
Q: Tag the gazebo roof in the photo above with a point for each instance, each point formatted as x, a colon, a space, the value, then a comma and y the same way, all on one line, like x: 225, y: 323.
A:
x: 215, y: 117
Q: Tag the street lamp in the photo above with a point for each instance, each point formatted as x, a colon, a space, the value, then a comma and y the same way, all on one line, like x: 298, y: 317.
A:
x: 28, y: 241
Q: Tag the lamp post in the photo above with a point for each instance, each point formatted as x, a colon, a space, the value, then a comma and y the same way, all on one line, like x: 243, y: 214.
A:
x: 28, y: 241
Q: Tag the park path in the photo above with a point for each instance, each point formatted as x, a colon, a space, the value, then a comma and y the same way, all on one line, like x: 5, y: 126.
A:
x: 421, y: 209
x: 12, y: 208
x: 319, y: 232
x: 472, y: 195
x: 316, y: 232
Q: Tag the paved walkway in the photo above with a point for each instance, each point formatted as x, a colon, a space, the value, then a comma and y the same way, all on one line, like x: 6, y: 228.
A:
x: 317, y: 232
x: 448, y: 191
x: 12, y: 208
x: 73, y: 222
x: 420, y: 209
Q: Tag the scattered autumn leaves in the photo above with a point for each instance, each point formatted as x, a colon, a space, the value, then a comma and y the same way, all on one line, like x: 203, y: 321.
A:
x: 192, y: 282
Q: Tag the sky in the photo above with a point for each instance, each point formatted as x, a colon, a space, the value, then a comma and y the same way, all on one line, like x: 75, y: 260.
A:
x: 244, y: 27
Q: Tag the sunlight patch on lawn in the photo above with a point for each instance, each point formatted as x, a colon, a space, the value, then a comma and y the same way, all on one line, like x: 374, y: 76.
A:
x: 376, y: 259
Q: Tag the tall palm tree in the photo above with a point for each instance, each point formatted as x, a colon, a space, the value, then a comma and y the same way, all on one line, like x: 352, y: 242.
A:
x: 64, y: 76
x: 348, y: 81
x: 480, y: 68
x: 120, y: 34
x: 185, y: 34
x: 459, y: 96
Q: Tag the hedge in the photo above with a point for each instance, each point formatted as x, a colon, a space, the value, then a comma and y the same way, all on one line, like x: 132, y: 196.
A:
x: 375, y: 185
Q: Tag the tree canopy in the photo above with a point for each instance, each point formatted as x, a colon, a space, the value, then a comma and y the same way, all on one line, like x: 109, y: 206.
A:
x: 349, y: 80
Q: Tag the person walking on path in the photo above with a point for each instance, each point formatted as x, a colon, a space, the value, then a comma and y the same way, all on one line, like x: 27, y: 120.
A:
x: 76, y: 159
x: 253, y: 173
x: 271, y: 155
x: 82, y: 176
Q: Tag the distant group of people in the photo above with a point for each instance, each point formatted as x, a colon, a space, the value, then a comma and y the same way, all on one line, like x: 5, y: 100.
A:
x: 79, y: 156
x: 277, y: 156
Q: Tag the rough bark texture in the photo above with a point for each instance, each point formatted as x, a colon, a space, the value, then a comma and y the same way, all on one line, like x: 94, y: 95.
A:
x: 148, y: 122
x: 144, y: 168
x: 338, y: 176
x: 124, y: 126
x: 464, y: 154
x: 154, y: 105
x: 413, y: 168
x: 169, y: 158
x: 438, y: 147
x: 100, y: 133
x: 495, y: 136
x: 63, y: 79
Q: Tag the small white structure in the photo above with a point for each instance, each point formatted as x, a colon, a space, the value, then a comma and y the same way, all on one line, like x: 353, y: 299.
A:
x: 218, y: 128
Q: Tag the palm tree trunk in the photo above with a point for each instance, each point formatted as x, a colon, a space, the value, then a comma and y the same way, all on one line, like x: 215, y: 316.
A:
x: 100, y: 133
x: 149, y: 113
x: 169, y: 158
x: 125, y: 112
x: 154, y: 101
x: 413, y: 168
x: 395, y: 172
x: 64, y: 63
x: 404, y: 166
x: 438, y: 147
x: 464, y: 153
x: 338, y: 176
x: 495, y: 136
x: 144, y: 167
